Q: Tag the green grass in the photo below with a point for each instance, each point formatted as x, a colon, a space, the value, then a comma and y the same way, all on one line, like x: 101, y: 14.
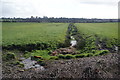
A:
x: 32, y: 33
x: 109, y: 30
x: 95, y: 53
x: 54, y: 33
x: 43, y: 53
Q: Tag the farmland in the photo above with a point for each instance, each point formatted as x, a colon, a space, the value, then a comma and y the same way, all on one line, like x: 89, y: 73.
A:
x: 28, y: 33
x: 49, y: 45
x: 33, y: 33
x: 41, y: 39
x: 109, y: 30
x: 40, y: 36
x: 103, y: 34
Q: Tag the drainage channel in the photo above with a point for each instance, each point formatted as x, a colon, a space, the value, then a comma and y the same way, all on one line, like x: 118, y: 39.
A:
x: 72, y: 31
x: 73, y: 42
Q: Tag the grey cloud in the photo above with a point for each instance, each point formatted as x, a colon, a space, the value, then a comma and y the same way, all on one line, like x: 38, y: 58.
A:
x: 27, y: 8
x: 119, y: 10
x: 100, y: 2
x: 7, y: 9
x: 12, y: 9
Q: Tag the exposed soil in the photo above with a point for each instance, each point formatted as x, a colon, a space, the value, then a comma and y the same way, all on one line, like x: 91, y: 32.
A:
x: 105, y: 66
x: 68, y: 50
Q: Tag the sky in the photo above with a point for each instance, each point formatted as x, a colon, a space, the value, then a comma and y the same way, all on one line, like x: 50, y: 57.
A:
x: 60, y: 8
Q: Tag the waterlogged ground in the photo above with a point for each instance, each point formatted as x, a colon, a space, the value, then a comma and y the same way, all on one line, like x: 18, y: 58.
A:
x: 105, y: 66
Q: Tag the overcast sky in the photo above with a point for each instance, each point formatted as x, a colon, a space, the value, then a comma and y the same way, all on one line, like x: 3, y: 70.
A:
x: 60, y: 8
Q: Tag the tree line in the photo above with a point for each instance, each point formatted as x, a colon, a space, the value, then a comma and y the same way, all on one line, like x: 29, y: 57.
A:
x: 57, y: 20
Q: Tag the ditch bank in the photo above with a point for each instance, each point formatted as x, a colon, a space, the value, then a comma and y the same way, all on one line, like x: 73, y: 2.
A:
x: 106, y: 66
x: 31, y: 47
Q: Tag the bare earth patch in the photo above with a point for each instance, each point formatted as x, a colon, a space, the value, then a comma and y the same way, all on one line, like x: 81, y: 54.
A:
x: 105, y: 66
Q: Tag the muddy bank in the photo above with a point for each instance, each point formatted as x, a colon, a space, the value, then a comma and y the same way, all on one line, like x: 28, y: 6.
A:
x: 105, y: 66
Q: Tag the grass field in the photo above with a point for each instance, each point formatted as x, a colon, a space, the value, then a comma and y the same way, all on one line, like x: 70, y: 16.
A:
x: 109, y: 30
x: 106, y: 32
x: 32, y: 33
x: 53, y: 34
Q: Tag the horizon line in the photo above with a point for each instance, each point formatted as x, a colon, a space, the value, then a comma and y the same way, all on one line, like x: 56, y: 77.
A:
x: 56, y: 17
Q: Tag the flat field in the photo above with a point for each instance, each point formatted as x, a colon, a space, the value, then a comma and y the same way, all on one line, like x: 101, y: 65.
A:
x: 36, y: 35
x: 32, y: 33
x: 108, y: 30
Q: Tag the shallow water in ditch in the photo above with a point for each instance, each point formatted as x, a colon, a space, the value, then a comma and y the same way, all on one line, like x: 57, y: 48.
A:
x: 73, y: 41
x: 28, y: 64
